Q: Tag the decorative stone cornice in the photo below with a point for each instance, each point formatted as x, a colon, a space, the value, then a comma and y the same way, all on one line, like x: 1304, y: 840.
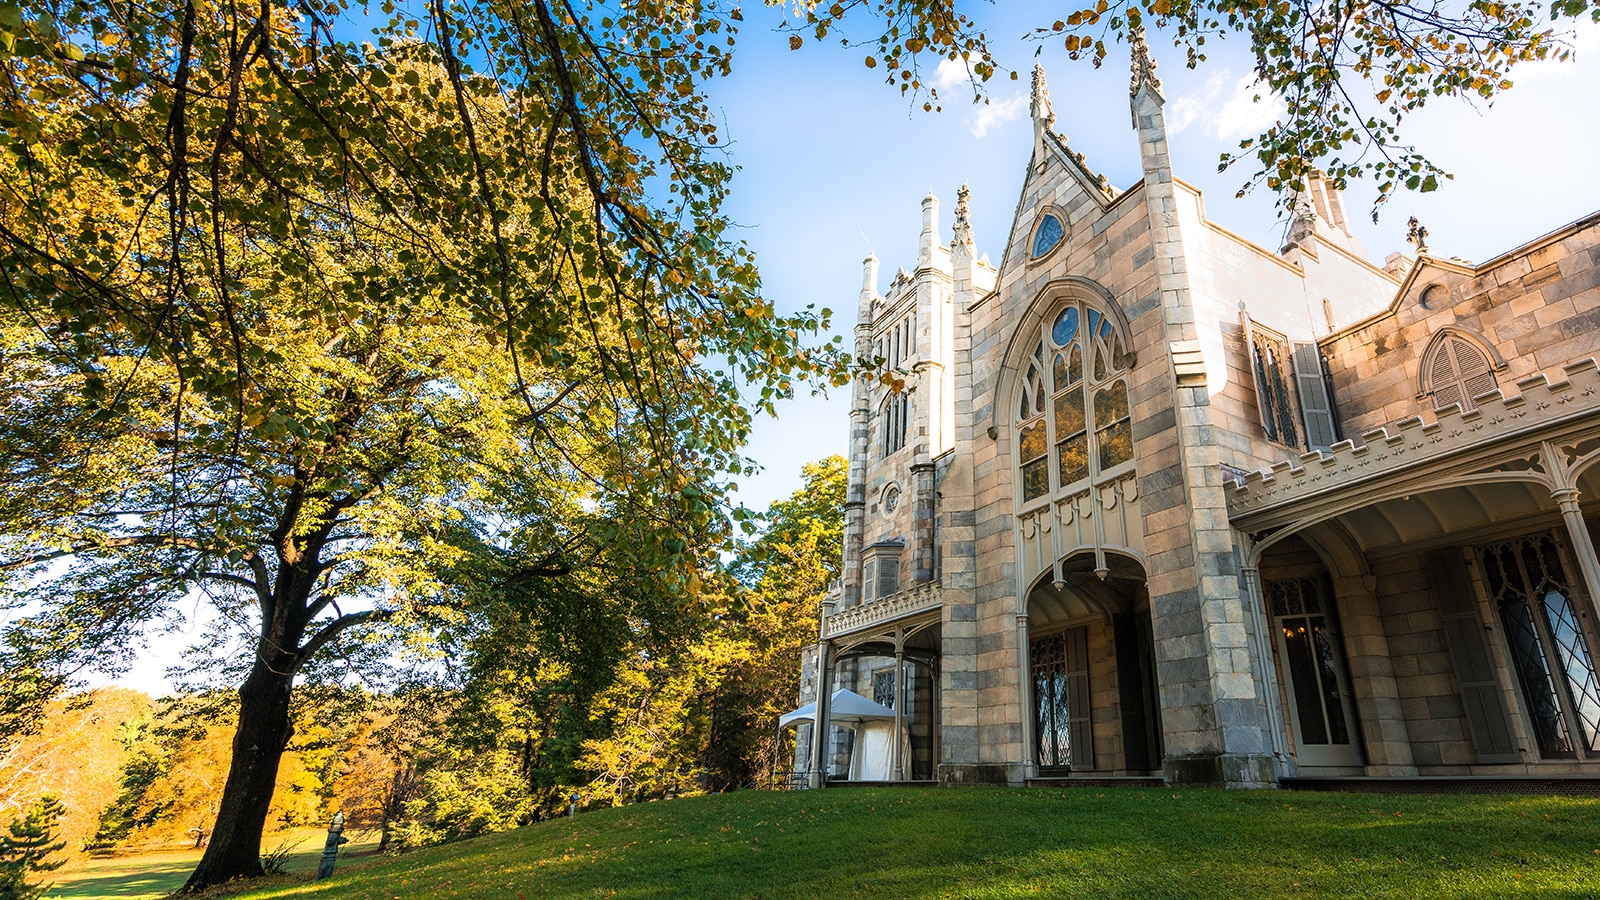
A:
x: 919, y: 599
x: 1414, y: 446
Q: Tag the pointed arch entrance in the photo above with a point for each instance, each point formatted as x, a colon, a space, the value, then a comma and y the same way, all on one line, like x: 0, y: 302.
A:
x: 1089, y: 669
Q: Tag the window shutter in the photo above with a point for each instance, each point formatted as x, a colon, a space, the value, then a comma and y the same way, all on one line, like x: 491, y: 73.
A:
x: 1463, y: 632
x: 1476, y: 374
x: 1316, y: 397
x: 888, y: 574
x: 1081, y: 744
x: 1459, y: 371
x: 1442, y: 378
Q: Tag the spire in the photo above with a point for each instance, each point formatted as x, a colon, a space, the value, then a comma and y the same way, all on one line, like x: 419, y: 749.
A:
x: 1302, y: 217
x: 930, y: 230
x: 963, y: 227
x: 1417, y: 236
x: 869, y: 288
x: 1144, y: 68
x: 1043, y: 116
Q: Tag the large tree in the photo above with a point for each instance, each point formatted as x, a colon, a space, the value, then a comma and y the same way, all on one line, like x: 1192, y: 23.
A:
x: 278, y: 306
x: 302, y: 326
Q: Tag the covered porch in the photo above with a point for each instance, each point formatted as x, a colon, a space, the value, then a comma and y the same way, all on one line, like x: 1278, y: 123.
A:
x: 886, y: 651
x: 1428, y: 599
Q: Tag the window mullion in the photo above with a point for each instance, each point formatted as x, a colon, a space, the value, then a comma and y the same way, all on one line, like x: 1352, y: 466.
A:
x: 1090, y: 441
x: 1052, y: 453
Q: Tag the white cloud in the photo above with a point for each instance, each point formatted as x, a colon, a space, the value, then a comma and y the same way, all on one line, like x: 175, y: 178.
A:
x: 1229, y: 111
x: 1186, y: 110
x: 996, y: 113
x: 951, y: 73
x: 1248, y: 111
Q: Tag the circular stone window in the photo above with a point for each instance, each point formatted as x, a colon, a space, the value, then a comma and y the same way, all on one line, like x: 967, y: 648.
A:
x: 1435, y: 296
x: 891, y: 498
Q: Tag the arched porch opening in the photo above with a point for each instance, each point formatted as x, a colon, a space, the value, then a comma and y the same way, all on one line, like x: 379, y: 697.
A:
x: 1090, y: 695
x: 896, y: 667
x: 1461, y: 608
x: 1307, y: 641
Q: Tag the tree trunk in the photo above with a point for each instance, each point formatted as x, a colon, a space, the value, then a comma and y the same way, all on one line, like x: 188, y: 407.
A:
x: 258, y: 744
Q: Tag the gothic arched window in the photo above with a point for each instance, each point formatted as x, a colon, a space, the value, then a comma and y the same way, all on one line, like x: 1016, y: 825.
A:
x: 1455, y: 369
x: 896, y: 412
x: 1047, y: 234
x: 1073, y: 422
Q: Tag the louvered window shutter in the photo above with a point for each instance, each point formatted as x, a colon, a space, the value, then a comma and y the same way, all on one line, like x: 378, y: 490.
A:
x: 1481, y: 696
x: 1458, y: 372
x: 1316, y: 397
x: 1078, y: 698
x: 888, y: 574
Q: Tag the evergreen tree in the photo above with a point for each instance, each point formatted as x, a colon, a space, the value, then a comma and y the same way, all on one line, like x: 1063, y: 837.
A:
x: 24, y: 850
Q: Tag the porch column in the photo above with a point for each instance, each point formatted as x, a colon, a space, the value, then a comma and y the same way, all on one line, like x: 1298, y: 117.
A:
x: 899, y: 709
x: 936, y: 721
x: 1261, y: 649
x: 821, y: 726
x: 1024, y: 696
x: 1582, y: 546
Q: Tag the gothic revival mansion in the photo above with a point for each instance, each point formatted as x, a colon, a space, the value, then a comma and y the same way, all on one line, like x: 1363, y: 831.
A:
x: 1146, y: 500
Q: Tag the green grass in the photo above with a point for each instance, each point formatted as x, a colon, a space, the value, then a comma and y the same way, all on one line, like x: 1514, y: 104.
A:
x: 999, y: 843
x: 155, y: 874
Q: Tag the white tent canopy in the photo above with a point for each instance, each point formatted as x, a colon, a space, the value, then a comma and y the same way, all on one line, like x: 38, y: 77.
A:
x: 847, y: 708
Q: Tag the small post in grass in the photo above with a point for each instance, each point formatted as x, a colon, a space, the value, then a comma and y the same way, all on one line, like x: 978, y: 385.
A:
x: 330, y: 850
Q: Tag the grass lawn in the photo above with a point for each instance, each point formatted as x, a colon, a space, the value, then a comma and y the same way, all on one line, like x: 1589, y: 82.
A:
x: 147, y: 876
x: 1001, y: 843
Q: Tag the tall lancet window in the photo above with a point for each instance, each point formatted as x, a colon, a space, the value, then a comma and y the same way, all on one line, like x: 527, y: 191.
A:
x: 1073, y: 422
x: 896, y: 417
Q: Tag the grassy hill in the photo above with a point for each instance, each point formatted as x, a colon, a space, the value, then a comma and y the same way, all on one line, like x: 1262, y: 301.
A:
x: 993, y: 843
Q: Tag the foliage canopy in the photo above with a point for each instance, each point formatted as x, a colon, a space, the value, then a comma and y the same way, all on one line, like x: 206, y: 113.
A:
x: 1349, y: 72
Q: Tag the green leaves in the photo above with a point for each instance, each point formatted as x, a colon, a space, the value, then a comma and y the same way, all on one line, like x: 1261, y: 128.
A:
x: 1347, y: 74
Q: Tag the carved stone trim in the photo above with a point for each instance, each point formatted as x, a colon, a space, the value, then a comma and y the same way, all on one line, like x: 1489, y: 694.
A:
x: 904, y: 603
x: 1411, y: 445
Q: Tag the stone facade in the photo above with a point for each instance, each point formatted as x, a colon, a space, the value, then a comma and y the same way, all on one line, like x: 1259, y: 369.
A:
x: 1146, y: 499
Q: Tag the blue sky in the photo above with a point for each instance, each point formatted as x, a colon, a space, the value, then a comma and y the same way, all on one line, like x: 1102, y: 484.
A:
x: 832, y: 161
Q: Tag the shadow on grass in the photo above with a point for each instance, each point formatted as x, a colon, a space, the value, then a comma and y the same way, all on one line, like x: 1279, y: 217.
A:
x: 151, y: 879
x: 979, y: 844
x: 146, y: 876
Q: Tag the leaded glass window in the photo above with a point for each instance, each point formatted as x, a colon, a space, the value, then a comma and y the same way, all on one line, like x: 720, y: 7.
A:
x: 1059, y: 665
x: 1077, y: 373
x: 1550, y: 652
x: 883, y: 687
x: 1269, y: 355
x: 1048, y: 234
